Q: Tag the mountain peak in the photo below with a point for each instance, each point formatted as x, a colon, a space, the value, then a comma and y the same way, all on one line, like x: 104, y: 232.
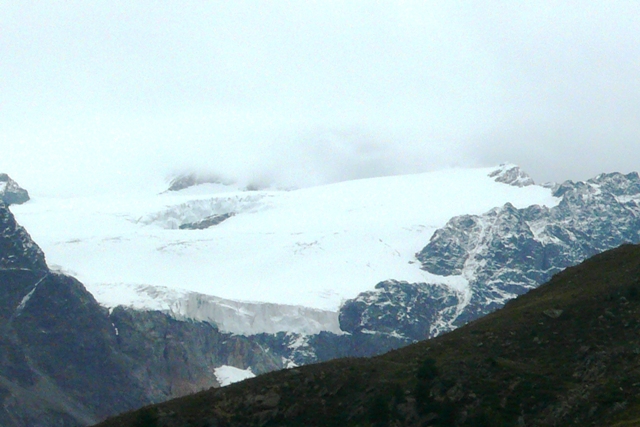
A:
x: 511, y: 174
x: 10, y: 192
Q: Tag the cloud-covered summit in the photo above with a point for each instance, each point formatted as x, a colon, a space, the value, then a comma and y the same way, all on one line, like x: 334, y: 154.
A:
x: 307, y: 93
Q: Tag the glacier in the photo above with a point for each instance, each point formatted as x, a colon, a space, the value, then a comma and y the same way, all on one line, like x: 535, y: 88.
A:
x: 286, y: 260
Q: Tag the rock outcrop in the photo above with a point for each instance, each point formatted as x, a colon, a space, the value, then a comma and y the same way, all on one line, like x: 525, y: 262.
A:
x: 207, y: 222
x: 173, y: 358
x: 10, y: 192
x: 416, y: 306
x: 512, y: 175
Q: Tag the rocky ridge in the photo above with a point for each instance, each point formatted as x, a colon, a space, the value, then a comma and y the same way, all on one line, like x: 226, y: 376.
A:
x: 511, y: 175
x: 502, y: 254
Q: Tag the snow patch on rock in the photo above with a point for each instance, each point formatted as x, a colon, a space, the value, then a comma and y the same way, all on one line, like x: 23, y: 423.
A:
x: 226, y: 375
x: 511, y: 174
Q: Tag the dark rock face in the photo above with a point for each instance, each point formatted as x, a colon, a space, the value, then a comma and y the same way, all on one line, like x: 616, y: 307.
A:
x: 173, y: 358
x: 70, y: 343
x: 502, y: 254
x: 59, y: 359
x: 297, y: 349
x: 207, y: 222
x: 182, y: 182
x: 10, y: 192
x: 17, y: 250
x: 416, y: 306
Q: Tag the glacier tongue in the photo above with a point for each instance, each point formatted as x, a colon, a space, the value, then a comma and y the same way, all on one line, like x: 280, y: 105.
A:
x: 238, y: 317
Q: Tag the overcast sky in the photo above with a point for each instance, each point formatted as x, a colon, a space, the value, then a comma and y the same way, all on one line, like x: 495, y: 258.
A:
x: 101, y: 93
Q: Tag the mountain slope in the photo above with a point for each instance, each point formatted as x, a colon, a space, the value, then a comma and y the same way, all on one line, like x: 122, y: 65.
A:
x: 566, y: 353
x: 437, y: 272
x: 67, y: 361
x: 502, y: 253
x: 56, y: 343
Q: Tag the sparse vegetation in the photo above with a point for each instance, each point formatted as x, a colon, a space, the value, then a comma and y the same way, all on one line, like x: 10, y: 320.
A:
x: 147, y: 417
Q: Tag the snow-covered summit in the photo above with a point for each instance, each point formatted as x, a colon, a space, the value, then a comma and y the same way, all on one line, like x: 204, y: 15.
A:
x: 313, y: 247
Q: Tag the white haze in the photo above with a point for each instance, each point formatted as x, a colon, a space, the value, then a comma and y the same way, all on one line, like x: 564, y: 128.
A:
x: 98, y: 95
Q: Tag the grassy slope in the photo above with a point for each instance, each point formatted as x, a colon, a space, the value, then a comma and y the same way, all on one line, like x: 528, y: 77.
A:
x: 522, y: 365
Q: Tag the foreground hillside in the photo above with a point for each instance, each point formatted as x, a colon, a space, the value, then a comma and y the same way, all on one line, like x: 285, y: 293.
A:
x: 566, y: 353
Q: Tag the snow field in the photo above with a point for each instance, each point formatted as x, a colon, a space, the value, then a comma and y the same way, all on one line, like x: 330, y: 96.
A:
x: 312, y: 247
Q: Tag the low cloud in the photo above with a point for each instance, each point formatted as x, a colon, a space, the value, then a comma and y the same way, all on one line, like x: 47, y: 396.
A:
x: 94, y: 98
